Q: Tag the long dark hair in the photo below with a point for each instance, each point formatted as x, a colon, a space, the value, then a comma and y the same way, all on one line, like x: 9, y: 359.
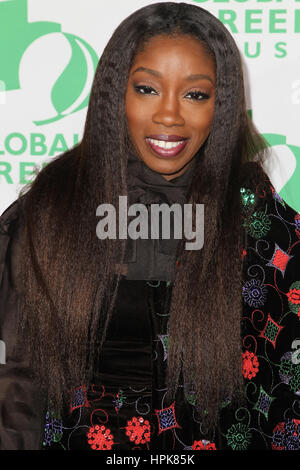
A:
x: 68, y: 275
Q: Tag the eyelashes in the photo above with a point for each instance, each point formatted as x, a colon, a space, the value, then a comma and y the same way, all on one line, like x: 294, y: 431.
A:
x: 148, y: 90
x: 198, y: 95
x: 144, y: 90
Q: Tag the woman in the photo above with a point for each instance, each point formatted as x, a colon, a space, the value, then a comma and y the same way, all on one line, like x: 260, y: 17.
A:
x: 142, y: 344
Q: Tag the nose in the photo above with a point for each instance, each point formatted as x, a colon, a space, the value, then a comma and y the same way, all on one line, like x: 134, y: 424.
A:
x: 168, y: 112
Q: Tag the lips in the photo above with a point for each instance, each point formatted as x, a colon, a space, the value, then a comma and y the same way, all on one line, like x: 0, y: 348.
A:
x: 167, y: 138
x: 167, y: 145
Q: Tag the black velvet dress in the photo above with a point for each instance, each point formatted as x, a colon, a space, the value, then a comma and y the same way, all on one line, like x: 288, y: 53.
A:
x: 127, y: 408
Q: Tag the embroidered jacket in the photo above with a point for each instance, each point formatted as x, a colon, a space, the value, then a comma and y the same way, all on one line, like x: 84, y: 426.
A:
x: 126, y: 407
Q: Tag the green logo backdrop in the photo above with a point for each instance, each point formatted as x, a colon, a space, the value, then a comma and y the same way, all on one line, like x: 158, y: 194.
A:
x: 262, y: 24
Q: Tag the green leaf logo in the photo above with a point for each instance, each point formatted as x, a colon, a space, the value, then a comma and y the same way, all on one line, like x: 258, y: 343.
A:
x: 70, y: 92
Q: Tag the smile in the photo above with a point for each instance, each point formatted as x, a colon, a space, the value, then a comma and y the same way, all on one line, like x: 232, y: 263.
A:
x: 166, y: 149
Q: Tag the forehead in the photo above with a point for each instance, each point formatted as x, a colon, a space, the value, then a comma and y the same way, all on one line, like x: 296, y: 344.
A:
x: 182, y: 51
x: 175, y: 56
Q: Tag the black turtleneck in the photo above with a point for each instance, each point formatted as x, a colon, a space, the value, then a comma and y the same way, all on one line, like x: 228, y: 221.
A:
x: 154, y: 259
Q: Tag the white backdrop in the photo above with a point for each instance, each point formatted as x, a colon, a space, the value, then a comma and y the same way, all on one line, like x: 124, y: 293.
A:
x: 48, y: 53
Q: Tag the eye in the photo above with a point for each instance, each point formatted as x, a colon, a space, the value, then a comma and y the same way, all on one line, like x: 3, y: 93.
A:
x: 198, y: 95
x: 144, y: 90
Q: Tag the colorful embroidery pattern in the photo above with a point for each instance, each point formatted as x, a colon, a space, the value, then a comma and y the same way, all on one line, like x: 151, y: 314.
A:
x: 203, y: 445
x: 286, y: 435
x: 166, y: 418
x: 136, y: 413
x: 138, y: 430
x: 254, y: 293
x: 78, y: 398
x: 293, y: 296
x: 279, y: 259
x: 250, y: 365
x: 238, y: 436
x: 100, y: 438
x: 271, y: 331
x: 263, y: 403
x: 258, y: 225
x: 53, y: 429
x: 118, y: 402
x: 297, y: 224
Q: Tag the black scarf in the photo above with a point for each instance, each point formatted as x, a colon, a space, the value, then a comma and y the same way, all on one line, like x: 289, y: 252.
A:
x: 154, y: 259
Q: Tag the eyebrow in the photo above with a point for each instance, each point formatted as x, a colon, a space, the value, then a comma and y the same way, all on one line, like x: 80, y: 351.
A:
x: 189, y: 78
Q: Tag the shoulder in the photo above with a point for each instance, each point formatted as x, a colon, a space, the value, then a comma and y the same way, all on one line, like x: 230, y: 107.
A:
x: 266, y: 216
x: 9, y: 216
x: 21, y: 413
x: 10, y: 222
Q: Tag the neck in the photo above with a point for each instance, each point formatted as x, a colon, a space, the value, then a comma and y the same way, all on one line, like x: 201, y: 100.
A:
x: 180, y: 172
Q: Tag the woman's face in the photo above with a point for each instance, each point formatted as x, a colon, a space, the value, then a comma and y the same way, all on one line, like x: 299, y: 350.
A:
x: 170, y: 102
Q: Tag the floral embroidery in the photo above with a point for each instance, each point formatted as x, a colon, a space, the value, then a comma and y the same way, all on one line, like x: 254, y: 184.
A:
x: 258, y: 225
x: 138, y: 430
x: 286, y: 435
x: 100, y: 438
x: 254, y: 293
x: 294, y: 298
x: 118, y: 402
x: 250, y: 365
x: 248, y: 199
x: 203, y: 445
x: 53, y: 429
x: 210, y: 446
x: 238, y: 436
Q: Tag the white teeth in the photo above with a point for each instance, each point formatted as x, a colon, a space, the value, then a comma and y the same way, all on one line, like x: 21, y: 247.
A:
x: 165, y: 145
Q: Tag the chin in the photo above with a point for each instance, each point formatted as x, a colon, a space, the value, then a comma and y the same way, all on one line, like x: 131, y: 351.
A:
x: 165, y: 170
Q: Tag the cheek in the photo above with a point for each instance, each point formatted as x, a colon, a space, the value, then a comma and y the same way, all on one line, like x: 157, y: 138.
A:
x: 202, y: 124
x: 202, y: 127
x: 135, y: 116
x: 134, y: 124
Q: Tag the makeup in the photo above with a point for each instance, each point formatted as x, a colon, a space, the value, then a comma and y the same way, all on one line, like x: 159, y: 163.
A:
x: 166, y: 149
